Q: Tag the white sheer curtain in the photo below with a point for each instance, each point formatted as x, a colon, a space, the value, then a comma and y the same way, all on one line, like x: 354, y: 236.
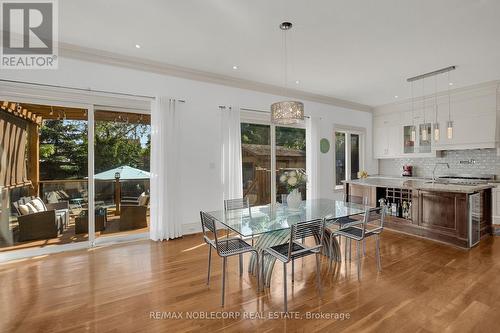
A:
x: 231, y: 171
x: 312, y: 156
x: 165, y: 143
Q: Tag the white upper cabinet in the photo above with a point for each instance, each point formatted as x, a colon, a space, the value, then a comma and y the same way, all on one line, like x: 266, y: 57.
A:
x: 386, y: 136
x: 475, y: 116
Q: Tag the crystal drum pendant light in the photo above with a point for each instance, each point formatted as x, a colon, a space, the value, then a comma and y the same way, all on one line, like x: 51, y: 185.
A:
x: 286, y: 112
x: 436, y: 121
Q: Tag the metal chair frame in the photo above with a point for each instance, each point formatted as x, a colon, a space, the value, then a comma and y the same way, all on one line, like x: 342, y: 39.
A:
x: 294, y: 249
x: 232, y: 204
x: 227, y: 247
x: 239, y: 203
x: 359, y: 231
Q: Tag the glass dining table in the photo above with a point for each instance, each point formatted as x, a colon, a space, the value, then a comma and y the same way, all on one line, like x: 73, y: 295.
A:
x: 271, y: 223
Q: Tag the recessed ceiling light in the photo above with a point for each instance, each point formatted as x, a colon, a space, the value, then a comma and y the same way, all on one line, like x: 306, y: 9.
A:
x: 137, y: 46
x: 451, y: 83
x: 396, y: 96
x: 235, y: 67
x: 297, y: 82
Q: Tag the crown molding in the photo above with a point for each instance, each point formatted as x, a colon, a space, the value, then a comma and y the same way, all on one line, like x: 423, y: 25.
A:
x: 109, y: 58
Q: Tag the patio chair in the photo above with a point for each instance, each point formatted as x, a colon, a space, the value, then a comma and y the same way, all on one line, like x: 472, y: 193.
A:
x: 133, y: 214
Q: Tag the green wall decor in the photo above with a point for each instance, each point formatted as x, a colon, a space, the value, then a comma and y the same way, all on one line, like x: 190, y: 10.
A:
x: 324, y: 145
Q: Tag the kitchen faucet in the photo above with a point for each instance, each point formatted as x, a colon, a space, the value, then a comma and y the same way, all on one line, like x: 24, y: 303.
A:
x: 435, y: 167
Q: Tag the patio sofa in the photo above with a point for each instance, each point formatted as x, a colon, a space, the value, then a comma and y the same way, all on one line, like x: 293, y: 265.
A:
x: 41, y: 221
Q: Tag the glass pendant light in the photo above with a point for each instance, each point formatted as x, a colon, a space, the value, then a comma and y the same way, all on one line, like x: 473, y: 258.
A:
x: 424, y: 127
x: 413, y: 129
x: 449, y: 131
x: 436, y: 121
x: 437, y: 133
x: 286, y: 112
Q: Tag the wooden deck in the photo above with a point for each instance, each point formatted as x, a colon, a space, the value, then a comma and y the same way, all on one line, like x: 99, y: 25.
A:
x: 68, y: 236
x: 424, y: 286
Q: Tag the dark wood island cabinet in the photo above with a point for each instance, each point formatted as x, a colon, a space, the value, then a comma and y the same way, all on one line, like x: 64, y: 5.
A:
x: 460, y: 216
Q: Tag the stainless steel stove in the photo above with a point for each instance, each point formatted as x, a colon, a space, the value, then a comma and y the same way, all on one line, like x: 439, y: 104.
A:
x: 467, y: 179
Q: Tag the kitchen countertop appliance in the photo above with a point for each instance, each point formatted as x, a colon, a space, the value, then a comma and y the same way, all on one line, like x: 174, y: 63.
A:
x: 407, y: 170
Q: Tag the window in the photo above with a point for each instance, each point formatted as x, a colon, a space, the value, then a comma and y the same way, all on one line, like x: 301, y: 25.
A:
x: 264, y: 145
x: 340, y: 158
x: 256, y: 162
x: 348, y: 155
x: 290, y: 156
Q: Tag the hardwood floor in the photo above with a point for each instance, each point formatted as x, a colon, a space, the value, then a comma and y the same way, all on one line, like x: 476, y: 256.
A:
x: 424, y: 287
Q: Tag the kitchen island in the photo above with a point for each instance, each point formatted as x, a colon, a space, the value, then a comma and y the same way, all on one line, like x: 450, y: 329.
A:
x: 455, y: 214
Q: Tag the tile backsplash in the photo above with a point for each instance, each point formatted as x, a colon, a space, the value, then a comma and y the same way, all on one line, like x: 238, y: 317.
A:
x: 486, y: 162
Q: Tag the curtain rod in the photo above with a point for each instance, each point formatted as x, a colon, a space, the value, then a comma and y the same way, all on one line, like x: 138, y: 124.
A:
x: 80, y: 89
x: 262, y: 111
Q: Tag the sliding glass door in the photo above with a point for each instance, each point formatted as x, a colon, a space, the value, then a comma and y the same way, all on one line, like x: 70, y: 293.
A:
x: 43, y: 175
x: 122, y: 142
x: 348, y: 155
x: 268, y: 153
x: 290, y: 155
x: 256, y: 162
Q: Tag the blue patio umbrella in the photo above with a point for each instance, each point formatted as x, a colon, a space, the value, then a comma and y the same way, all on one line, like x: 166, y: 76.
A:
x: 126, y: 173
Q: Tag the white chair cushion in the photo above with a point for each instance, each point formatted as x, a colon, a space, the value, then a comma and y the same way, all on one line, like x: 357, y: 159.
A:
x: 52, y: 197
x: 38, y: 204
x: 143, y: 199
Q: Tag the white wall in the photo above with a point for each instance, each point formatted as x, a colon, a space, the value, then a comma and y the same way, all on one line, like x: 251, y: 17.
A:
x: 201, y: 189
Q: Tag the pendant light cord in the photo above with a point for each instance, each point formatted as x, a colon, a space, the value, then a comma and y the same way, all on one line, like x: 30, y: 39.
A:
x: 435, y: 99
x: 423, y: 99
x: 449, y: 99
x: 412, y: 106
x: 285, y: 49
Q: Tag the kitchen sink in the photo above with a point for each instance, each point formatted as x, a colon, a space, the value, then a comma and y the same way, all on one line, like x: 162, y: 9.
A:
x: 440, y: 182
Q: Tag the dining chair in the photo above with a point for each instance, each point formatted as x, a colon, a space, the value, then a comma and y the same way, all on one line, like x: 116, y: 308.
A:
x: 234, y: 204
x: 225, y: 248
x: 231, y: 204
x: 371, y: 225
x: 363, y: 200
x: 294, y: 249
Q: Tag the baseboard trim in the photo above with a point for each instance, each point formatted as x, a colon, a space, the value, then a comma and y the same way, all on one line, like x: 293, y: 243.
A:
x: 191, y: 228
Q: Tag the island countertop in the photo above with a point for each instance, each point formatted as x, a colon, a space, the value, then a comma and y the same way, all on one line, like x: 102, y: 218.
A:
x: 417, y: 184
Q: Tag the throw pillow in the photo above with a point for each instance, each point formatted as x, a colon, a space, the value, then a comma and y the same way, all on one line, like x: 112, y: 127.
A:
x: 26, y: 209
x: 38, y: 204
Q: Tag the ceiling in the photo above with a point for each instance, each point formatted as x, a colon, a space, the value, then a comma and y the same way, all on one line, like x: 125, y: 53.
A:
x: 356, y: 50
